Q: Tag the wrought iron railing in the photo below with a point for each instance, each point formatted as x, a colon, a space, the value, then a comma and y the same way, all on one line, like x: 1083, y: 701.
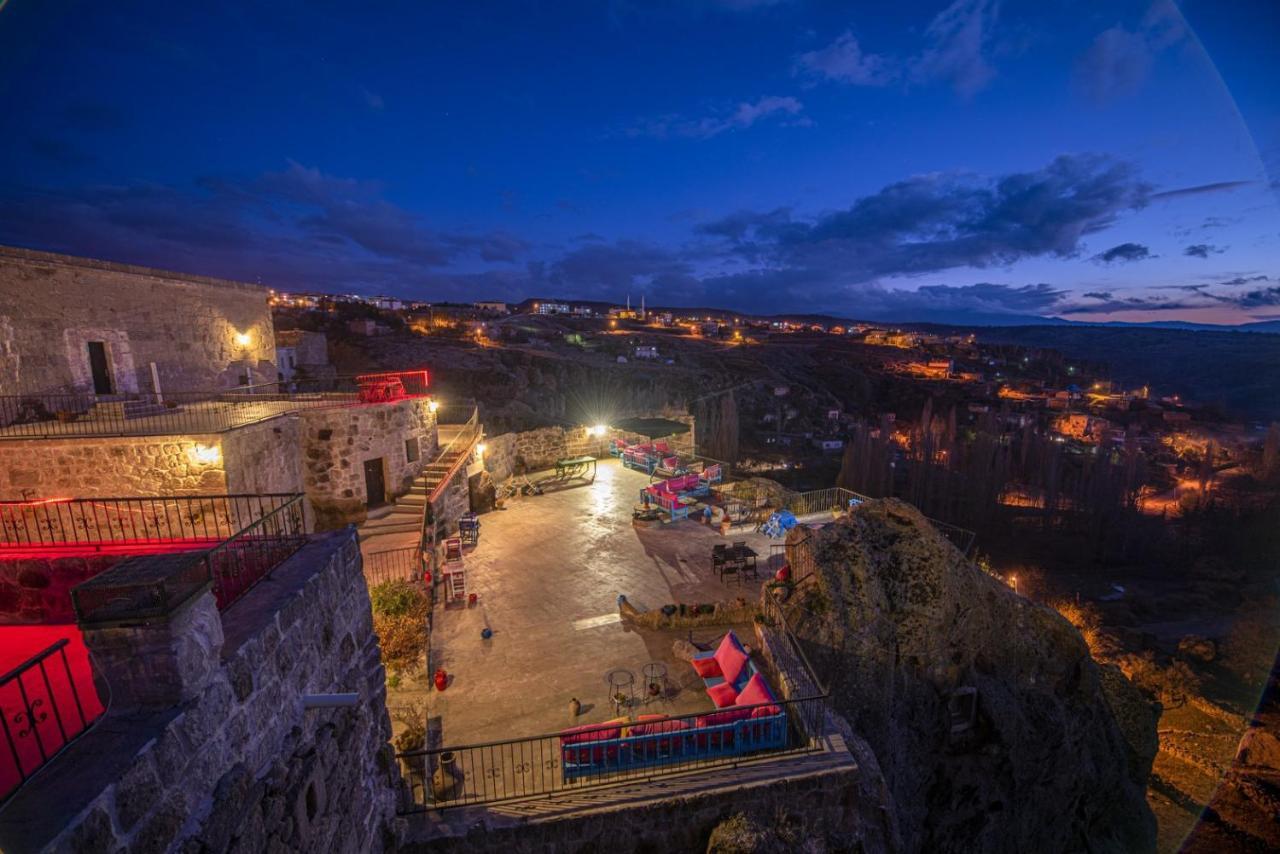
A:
x: 791, y: 657
x: 839, y: 500
x: 42, y: 415
x: 44, y: 709
x: 547, y: 765
x: 390, y: 565
x: 242, y: 561
x: 120, y: 523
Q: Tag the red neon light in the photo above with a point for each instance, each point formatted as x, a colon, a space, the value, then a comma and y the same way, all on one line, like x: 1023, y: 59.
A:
x: 388, y: 375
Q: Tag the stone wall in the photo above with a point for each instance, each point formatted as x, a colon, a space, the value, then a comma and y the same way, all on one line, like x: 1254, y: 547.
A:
x: 96, y: 468
x: 337, y: 442
x: 36, y: 590
x: 264, y: 458
x: 825, y: 800
x: 51, y: 306
x: 240, y: 765
x: 539, y: 449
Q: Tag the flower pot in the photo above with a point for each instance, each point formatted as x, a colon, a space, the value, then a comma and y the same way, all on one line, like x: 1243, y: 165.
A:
x: 441, y: 679
x: 444, y: 782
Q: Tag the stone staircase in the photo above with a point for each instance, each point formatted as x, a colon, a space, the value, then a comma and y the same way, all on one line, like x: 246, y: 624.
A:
x: 405, y: 515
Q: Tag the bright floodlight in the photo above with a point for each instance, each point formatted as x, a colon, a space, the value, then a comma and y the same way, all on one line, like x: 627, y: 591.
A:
x: 598, y: 430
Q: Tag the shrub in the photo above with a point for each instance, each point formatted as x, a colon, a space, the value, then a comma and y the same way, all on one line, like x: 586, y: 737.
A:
x: 394, y: 598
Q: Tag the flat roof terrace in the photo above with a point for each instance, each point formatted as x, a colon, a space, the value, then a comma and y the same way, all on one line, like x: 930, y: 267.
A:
x: 548, y: 572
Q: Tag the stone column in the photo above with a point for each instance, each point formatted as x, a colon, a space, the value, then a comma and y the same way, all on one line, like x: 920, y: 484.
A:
x: 153, y: 629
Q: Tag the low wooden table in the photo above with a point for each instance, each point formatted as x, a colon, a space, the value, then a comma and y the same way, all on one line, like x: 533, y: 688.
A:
x: 576, y: 467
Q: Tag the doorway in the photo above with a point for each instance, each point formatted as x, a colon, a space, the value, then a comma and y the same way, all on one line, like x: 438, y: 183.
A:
x: 375, y: 483
x: 100, y: 367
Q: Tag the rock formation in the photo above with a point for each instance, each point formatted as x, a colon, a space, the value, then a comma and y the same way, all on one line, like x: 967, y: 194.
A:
x: 995, y: 729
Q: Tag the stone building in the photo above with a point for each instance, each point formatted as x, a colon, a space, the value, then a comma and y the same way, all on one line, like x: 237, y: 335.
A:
x: 79, y: 325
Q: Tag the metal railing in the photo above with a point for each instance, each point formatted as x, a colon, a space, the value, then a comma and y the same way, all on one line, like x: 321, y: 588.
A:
x: 44, y: 415
x: 391, y: 565
x: 102, y: 523
x: 242, y: 561
x: 42, y: 711
x: 452, y: 457
x: 547, y: 765
x: 837, y: 499
x: 791, y: 658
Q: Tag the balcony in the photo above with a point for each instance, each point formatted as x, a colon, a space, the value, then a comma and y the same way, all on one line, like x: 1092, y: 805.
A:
x: 40, y: 415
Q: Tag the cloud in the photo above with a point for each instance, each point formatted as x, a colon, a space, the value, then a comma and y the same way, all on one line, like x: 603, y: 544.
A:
x: 958, y: 41
x: 746, y: 114
x: 1125, y: 252
x: 1119, y: 60
x: 940, y: 221
x: 606, y: 270
x: 1106, y: 295
x: 1202, y: 250
x: 298, y: 227
x: 844, y: 61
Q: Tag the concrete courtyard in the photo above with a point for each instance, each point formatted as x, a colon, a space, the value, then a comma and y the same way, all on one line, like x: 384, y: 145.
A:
x: 548, y: 571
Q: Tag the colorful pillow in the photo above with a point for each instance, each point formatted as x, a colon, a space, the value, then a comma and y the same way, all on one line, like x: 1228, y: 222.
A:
x: 581, y: 744
x: 722, y: 695
x: 655, y: 727
x: 708, y: 668
x: 754, y: 692
x: 731, y: 657
x: 728, y: 716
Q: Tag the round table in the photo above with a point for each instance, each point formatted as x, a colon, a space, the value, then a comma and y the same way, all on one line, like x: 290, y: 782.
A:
x: 622, y: 689
x: 655, y: 680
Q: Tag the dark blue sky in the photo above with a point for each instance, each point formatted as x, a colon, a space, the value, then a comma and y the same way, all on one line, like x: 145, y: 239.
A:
x: 1108, y: 160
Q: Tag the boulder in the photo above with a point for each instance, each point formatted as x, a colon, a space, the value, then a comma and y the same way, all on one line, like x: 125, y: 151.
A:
x: 898, y: 623
x: 683, y: 650
x: 1259, y: 748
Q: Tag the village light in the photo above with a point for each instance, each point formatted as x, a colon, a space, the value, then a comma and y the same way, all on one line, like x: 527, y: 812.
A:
x: 205, y: 455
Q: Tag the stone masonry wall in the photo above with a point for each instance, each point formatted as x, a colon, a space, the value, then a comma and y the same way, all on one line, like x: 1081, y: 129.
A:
x: 97, y: 468
x: 539, y: 449
x: 52, y: 305
x: 37, y: 590
x: 264, y: 458
x: 337, y: 442
x: 242, y: 766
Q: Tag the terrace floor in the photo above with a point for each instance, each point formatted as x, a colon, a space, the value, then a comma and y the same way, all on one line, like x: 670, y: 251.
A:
x: 210, y: 416
x: 548, y: 572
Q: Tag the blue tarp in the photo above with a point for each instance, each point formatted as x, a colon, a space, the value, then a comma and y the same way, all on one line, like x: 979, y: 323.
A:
x: 778, y: 524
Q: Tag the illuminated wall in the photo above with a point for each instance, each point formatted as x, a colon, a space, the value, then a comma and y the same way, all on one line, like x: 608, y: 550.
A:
x: 201, y: 333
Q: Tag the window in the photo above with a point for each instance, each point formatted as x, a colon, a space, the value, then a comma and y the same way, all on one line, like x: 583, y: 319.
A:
x: 411, y: 449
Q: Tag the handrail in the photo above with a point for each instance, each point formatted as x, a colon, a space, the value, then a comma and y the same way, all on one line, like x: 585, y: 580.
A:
x: 545, y: 765
x: 29, y: 717
x: 42, y: 415
x: 469, y: 433
x: 51, y: 523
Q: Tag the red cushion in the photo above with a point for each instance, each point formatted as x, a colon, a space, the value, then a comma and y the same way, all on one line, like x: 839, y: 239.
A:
x: 728, y: 716
x: 586, y: 738
x: 765, y: 711
x: 590, y: 732
x: 708, y: 668
x: 722, y: 695
x: 755, y: 691
x: 655, y: 727
x: 731, y: 657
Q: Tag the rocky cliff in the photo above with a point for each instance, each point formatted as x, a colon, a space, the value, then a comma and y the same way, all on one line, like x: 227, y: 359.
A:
x: 994, y: 727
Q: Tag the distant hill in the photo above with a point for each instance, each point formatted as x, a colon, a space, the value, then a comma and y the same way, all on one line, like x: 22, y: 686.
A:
x: 1238, y: 372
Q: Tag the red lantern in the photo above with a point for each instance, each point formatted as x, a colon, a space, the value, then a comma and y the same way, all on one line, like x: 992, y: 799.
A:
x: 442, y: 679
x: 784, y: 573
x: 471, y: 599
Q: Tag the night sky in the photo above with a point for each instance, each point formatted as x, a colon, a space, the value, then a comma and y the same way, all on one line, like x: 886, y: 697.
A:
x: 1109, y: 160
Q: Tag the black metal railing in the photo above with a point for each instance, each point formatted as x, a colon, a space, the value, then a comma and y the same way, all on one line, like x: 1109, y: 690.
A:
x: 44, y: 710
x: 547, y: 765
x: 41, y: 415
x: 100, y: 523
x: 242, y: 561
x: 788, y: 655
x: 390, y: 565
